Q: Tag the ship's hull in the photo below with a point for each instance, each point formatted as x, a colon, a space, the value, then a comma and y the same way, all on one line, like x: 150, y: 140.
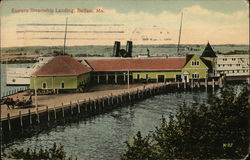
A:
x: 18, y: 76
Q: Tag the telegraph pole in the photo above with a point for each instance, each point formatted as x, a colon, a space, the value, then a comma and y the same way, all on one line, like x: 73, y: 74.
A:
x: 128, y: 79
x: 178, y: 48
x: 65, y: 36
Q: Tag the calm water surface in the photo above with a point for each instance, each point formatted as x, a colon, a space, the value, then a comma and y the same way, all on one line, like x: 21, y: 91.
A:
x: 103, y: 136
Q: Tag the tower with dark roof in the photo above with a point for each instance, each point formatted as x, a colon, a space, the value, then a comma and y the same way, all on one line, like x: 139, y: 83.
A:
x: 208, y: 52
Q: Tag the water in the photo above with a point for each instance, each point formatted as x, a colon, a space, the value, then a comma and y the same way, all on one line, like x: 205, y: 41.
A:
x: 103, y: 136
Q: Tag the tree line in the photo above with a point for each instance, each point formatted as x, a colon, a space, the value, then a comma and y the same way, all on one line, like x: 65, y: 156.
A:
x: 217, y: 129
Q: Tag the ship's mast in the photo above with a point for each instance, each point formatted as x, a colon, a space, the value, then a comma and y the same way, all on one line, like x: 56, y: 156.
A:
x: 178, y: 48
x: 65, y: 36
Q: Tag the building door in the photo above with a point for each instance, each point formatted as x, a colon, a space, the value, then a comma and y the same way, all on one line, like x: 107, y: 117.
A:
x: 185, y: 76
x: 186, y: 79
x: 160, y: 78
x: 178, y: 78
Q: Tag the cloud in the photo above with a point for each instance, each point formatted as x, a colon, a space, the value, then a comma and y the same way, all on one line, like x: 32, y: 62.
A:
x: 199, y: 26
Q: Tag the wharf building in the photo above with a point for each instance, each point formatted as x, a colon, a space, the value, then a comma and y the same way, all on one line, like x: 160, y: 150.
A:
x: 64, y: 73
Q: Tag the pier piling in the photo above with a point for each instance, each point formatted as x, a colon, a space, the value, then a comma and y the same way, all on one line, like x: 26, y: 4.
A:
x: 21, y: 118
x: 9, y: 124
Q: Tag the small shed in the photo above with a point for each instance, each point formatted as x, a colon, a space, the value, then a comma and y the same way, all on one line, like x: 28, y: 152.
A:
x: 61, y: 73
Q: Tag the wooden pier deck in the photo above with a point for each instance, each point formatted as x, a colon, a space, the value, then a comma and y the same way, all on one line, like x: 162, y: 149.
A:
x: 59, y: 100
x: 52, y: 108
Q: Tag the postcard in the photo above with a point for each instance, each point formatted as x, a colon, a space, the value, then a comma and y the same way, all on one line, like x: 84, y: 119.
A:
x: 135, y: 79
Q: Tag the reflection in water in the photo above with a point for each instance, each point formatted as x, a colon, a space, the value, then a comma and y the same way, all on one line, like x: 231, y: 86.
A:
x: 103, y: 136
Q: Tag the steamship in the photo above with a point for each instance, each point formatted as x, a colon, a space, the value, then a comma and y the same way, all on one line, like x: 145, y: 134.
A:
x: 21, y: 76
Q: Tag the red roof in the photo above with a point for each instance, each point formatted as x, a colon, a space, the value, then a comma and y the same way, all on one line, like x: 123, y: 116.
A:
x: 62, y: 66
x: 145, y: 64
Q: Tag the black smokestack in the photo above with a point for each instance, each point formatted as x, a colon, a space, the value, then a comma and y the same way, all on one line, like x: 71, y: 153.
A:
x: 129, y: 48
x: 116, y: 49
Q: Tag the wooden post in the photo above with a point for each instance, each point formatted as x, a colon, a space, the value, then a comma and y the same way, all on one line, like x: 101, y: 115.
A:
x: 108, y: 100
x: 62, y: 111
x: 30, y: 116
x: 178, y: 83
x: 138, y: 96
x: 192, y: 83
x: 121, y: 96
x: 112, y: 100
x: 94, y: 105
x: 21, y: 118
x: 54, y: 112
x: 9, y: 124
x: 107, y: 78
x: 71, y: 108
x: 103, y: 103
x: 206, y: 83
x: 115, y: 77
x: 185, y: 85
x: 129, y: 97
x: 47, y: 109
x: 117, y: 99
x: 98, y: 79
x: 124, y: 77
x: 128, y: 79
x: 78, y: 107
x: 37, y: 115
x: 220, y: 82
x: 213, y: 83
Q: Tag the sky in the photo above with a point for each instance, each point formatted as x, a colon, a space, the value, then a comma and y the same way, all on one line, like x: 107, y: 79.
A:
x: 101, y: 22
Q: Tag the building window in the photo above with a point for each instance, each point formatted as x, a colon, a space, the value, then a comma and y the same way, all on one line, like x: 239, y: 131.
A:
x: 195, y: 63
x: 219, y: 65
x: 223, y: 65
x: 224, y: 59
x: 138, y: 76
x: 195, y: 75
x: 237, y: 64
x: 238, y: 71
x: 146, y: 76
x: 233, y: 59
x: 62, y: 85
x: 243, y: 70
x: 233, y: 71
x: 44, y: 85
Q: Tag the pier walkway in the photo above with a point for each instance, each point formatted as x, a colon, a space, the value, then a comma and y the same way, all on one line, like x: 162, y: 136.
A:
x: 57, y: 107
x: 57, y: 100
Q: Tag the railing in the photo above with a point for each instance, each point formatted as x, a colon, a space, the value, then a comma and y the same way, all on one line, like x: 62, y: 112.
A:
x: 14, y: 91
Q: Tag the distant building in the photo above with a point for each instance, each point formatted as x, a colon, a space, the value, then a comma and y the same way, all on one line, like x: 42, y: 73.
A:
x: 60, y: 74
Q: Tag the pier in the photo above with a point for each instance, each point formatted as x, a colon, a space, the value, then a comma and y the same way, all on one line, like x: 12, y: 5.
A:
x: 52, y: 108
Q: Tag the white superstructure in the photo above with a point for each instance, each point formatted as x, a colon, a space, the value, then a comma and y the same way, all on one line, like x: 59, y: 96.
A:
x: 232, y: 65
x: 21, y: 76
